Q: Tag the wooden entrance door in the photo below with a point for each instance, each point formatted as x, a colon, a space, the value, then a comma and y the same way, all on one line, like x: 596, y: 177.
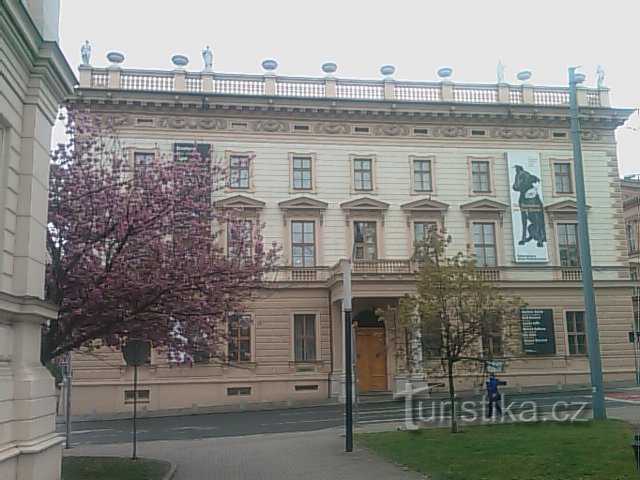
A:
x: 371, y: 359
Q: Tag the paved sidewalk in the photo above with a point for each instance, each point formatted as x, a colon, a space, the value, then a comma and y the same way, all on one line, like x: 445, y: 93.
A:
x: 317, y: 455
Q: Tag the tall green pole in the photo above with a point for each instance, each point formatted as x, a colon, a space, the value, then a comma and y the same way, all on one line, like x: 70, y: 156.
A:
x: 348, y: 356
x: 593, y: 343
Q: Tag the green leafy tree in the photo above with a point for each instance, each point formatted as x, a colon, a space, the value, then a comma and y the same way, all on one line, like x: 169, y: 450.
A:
x: 462, y: 318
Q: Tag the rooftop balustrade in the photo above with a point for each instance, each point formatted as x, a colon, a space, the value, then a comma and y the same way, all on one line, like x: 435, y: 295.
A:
x: 387, y: 89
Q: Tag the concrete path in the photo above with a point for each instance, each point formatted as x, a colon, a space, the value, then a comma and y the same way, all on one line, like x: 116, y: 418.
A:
x: 317, y: 455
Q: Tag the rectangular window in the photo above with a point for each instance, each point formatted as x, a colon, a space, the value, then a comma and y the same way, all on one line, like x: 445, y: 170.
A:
x: 239, y: 171
x: 421, y: 232
x: 492, y: 345
x: 303, y: 244
x: 238, y: 391
x: 422, y: 175
x: 633, y: 236
x: 142, y: 159
x: 239, y: 239
x: 304, y: 331
x: 364, y: 241
x: 562, y: 175
x: 431, y: 340
x: 480, y: 178
x: 362, y: 174
x: 568, y: 244
x: 239, y: 338
x: 302, y: 173
x: 484, y: 244
x: 141, y: 396
x: 576, y: 333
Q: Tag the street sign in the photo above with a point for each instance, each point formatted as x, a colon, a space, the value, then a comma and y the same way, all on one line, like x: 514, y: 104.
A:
x: 136, y: 352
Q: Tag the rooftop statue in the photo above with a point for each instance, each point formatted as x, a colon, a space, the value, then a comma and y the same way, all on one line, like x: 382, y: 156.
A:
x: 207, y: 57
x: 85, y: 52
x: 599, y: 77
x: 500, y: 72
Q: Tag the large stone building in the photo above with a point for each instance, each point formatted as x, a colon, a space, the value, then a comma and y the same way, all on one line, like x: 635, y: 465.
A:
x: 34, y: 78
x: 361, y: 169
x: 630, y: 186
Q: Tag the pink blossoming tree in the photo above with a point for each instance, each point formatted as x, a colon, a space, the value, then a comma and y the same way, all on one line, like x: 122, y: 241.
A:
x: 135, y: 250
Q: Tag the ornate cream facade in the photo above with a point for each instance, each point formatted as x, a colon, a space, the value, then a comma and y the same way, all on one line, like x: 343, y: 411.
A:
x: 630, y: 187
x: 337, y: 169
x: 34, y: 78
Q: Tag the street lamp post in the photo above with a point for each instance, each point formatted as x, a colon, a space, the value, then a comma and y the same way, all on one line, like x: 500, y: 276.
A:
x: 593, y: 343
x: 348, y: 355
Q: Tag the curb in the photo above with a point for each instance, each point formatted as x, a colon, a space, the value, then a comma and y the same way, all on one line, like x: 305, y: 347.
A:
x: 172, y: 471
x: 167, y: 476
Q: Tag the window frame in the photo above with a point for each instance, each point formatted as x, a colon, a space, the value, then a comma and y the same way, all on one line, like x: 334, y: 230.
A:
x: 413, y: 159
x: 435, y: 226
x: 495, y: 242
x: 575, y: 333
x: 489, y: 161
x: 229, y: 156
x: 353, y: 158
x: 312, y: 170
x: 250, y: 336
x: 293, y: 244
x: 135, y: 151
x: 316, y: 337
x: 227, y: 243
x: 632, y: 234
x: 488, y: 341
x: 353, y: 222
x: 559, y: 161
x: 560, y: 245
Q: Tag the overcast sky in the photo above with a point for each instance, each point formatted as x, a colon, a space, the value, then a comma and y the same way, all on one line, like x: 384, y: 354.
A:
x: 417, y: 36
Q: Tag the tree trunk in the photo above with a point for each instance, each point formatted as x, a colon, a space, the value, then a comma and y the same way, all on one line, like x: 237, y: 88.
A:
x: 452, y: 398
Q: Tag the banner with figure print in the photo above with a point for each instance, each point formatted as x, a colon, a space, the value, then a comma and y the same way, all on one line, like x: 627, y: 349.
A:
x: 527, y: 207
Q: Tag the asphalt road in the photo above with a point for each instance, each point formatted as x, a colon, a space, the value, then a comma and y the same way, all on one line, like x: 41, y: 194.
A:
x: 563, y: 404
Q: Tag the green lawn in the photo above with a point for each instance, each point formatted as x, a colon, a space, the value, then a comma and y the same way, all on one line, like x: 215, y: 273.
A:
x: 594, y: 450
x: 112, y: 468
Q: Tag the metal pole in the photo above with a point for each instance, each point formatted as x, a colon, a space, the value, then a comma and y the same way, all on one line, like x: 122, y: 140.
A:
x: 67, y: 407
x: 356, y: 402
x: 593, y: 343
x: 135, y: 408
x: 348, y: 360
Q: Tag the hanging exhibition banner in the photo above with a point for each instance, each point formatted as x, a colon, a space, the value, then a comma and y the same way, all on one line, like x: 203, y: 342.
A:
x: 537, y: 330
x: 527, y: 206
x: 182, y: 151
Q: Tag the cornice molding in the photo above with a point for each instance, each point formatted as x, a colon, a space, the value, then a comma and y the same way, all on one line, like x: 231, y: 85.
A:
x: 422, y: 129
x: 484, y: 205
x: 241, y: 202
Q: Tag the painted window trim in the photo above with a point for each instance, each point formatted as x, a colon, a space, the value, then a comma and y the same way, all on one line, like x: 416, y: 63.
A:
x: 312, y: 156
x: 432, y: 161
x: 553, y: 161
x: 492, y: 191
x: 352, y: 158
x: 292, y: 336
x: 251, y: 156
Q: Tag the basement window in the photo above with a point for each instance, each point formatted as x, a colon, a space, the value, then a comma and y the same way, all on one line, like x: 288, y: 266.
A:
x: 143, y: 396
x: 238, y: 124
x: 478, y: 133
x: 559, y: 134
x: 306, y: 388
x: 301, y: 128
x: 361, y: 129
x: 238, y: 391
x: 421, y: 131
x: 144, y: 121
